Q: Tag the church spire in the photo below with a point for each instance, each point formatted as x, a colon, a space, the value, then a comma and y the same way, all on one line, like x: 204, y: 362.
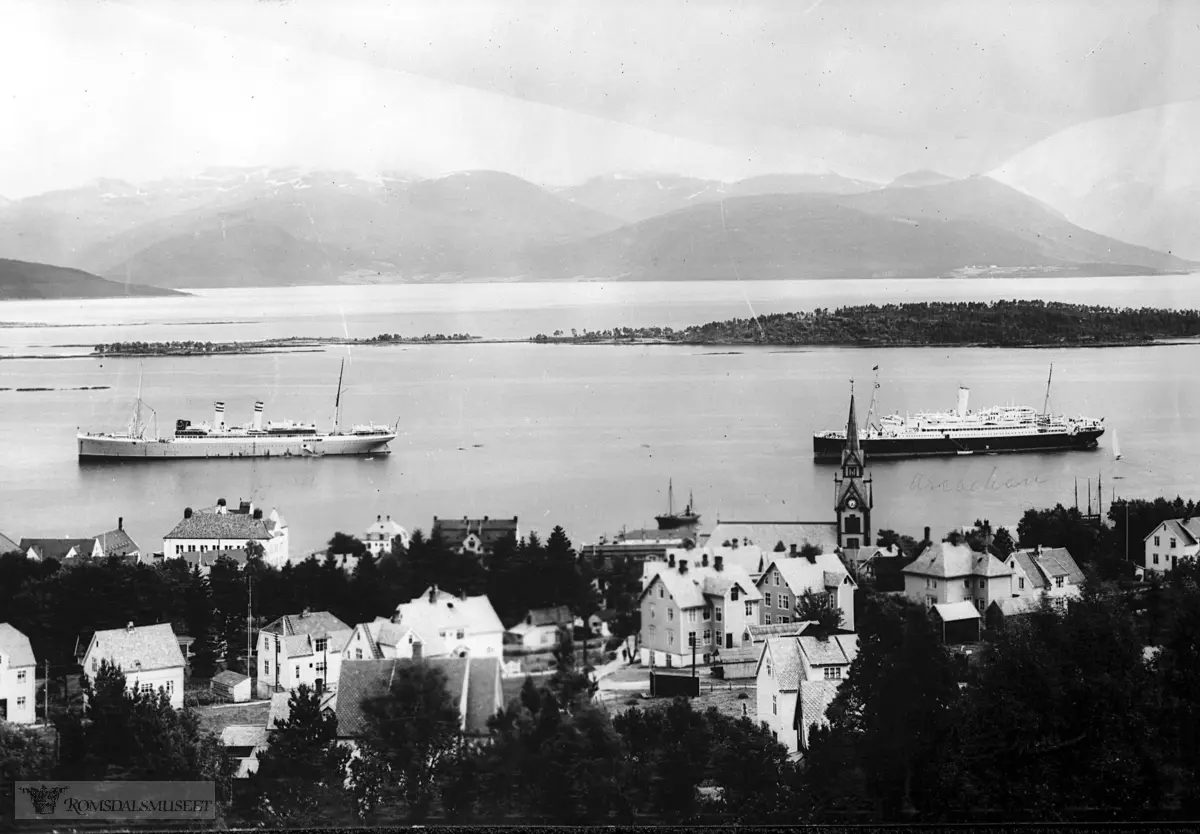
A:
x: 852, y: 454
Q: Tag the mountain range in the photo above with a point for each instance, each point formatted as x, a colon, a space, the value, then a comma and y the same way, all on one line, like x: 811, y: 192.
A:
x: 285, y: 226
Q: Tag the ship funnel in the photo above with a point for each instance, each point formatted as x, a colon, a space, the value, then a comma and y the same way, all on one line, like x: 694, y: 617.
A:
x: 218, y: 415
x: 963, y: 393
x: 258, y: 407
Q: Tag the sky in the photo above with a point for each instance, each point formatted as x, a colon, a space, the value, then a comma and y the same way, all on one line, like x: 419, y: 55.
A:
x: 557, y: 91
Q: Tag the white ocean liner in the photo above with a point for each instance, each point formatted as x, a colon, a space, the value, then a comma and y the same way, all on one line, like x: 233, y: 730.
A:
x: 219, y: 440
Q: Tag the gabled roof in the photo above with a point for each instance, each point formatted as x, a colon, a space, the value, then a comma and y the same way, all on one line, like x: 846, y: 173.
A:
x: 489, y: 531
x: 16, y: 647
x: 768, y: 535
x: 58, y: 549
x: 117, y: 543
x: 837, y: 650
x: 815, y: 698
x: 364, y: 679
x: 1015, y: 606
x: 7, y: 545
x: 783, y: 653
x: 383, y: 632
x: 1058, y: 561
x: 559, y: 615
x: 315, y: 623
x: 759, y: 633
x: 945, y: 560
x: 826, y: 571
x: 446, y: 612
x: 221, y: 526
x: 951, y: 612
x: 228, y: 678
x: 689, y: 590
x: 387, y: 528
x: 1185, y: 529
x: 140, y: 649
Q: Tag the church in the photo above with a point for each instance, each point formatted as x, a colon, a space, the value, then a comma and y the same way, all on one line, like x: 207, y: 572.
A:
x: 753, y: 544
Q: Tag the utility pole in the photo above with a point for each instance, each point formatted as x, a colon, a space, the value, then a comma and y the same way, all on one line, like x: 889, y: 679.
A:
x: 693, y: 641
x: 46, y: 698
x: 250, y: 669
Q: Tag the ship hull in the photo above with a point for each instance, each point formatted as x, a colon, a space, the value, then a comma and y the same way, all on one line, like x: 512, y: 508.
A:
x: 829, y: 449
x: 100, y: 447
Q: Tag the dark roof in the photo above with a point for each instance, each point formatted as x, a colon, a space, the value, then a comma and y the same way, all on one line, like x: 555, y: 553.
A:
x: 559, y: 615
x: 58, y: 549
x: 363, y: 679
x: 117, y: 543
x: 454, y: 531
x: 220, y: 526
x: 7, y: 545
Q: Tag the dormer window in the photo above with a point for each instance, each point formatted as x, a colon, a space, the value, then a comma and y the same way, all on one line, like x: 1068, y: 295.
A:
x: 733, y: 593
x: 1058, y: 582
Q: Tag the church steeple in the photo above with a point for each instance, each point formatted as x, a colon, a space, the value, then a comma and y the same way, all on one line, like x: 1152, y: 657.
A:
x: 853, y: 495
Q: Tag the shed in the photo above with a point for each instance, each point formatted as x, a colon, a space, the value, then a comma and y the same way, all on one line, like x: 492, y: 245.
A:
x: 1003, y: 610
x: 959, y: 622
x: 231, y: 686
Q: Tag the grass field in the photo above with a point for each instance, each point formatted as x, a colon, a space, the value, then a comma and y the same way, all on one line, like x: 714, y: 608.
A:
x: 217, y: 718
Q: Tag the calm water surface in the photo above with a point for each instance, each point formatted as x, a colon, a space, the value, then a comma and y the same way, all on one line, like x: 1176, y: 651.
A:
x: 583, y: 436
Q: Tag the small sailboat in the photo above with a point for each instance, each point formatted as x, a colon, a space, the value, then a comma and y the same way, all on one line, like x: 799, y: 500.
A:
x: 1116, y: 446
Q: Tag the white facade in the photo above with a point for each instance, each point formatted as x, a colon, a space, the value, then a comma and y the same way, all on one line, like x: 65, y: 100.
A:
x: 383, y: 638
x: 454, y: 626
x: 18, y: 670
x: 302, y: 649
x: 777, y: 688
x: 379, y: 536
x: 219, y: 529
x: 1171, y: 541
x: 149, y: 657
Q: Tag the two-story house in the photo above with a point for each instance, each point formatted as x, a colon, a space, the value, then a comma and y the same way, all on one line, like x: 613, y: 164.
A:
x: 383, y: 638
x: 224, y: 528
x: 1049, y: 570
x: 461, y: 626
x: 1170, y: 541
x: 382, y: 533
x: 18, y: 668
x: 950, y: 571
x: 787, y: 579
x: 797, y: 677
x: 149, y: 656
x: 473, y: 683
x: 705, y: 607
x: 305, y: 648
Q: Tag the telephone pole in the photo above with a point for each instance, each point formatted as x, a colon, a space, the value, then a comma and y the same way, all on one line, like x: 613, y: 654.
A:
x: 46, y: 697
x: 249, y: 625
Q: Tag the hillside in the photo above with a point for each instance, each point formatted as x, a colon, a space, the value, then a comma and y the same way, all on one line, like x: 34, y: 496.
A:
x: 26, y: 280
x: 326, y: 232
x: 1135, y: 176
x: 894, y: 232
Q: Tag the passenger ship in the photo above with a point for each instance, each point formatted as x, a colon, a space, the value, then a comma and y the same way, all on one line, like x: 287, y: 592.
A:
x: 219, y: 440
x: 963, y: 432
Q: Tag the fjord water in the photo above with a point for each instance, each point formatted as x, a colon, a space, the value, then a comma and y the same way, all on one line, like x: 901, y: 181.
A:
x: 583, y: 436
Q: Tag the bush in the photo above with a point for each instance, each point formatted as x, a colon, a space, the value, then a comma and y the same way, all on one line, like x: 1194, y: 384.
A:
x: 632, y: 702
x: 742, y: 696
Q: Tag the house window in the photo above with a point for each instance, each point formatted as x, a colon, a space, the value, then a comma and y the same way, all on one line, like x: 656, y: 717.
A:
x: 170, y: 687
x: 1058, y: 582
x: 833, y: 673
x: 981, y: 583
x: 20, y: 701
x: 147, y: 688
x: 927, y: 585
x: 1021, y: 583
x: 691, y: 638
x: 785, y: 602
x: 1172, y: 541
x: 358, y: 654
x: 719, y: 615
x: 767, y: 599
x: 1060, y: 604
x: 1156, y: 541
x: 775, y: 577
x: 749, y: 609
x: 707, y: 613
x: 178, y: 549
x: 321, y: 669
x: 671, y: 636
x: 96, y: 663
x: 660, y: 593
x: 980, y: 605
x: 929, y: 602
x: 966, y: 583
x: 320, y: 644
x: 21, y: 676
x: 653, y: 631
x: 733, y: 593
x: 670, y: 614
x: 266, y: 667
x: 1155, y: 562
x: 653, y: 613
x: 774, y: 705
x: 766, y: 619
x: 831, y: 600
x: 785, y: 619
x: 708, y: 635
x: 852, y: 544
x: 461, y: 634
x: 692, y: 616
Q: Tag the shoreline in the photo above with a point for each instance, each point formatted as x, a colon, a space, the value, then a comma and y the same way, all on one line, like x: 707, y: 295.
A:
x: 319, y: 345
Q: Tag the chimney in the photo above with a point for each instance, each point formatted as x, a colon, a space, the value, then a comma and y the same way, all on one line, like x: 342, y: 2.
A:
x: 380, y: 518
x: 432, y: 594
x: 220, y: 502
x: 719, y: 562
x: 927, y: 535
x: 258, y: 514
x: 389, y: 518
x: 485, y: 518
x: 682, y: 566
x: 704, y: 560
x: 120, y: 522
x: 670, y: 560
x: 812, y: 557
x: 129, y: 627
x: 258, y: 407
x: 305, y: 612
x: 792, y: 552
x: 187, y: 512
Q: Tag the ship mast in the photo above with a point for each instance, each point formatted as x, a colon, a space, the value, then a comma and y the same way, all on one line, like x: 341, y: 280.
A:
x: 1046, y: 404
x: 337, y: 403
x: 871, y: 408
x: 135, y: 427
x: 671, y: 496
